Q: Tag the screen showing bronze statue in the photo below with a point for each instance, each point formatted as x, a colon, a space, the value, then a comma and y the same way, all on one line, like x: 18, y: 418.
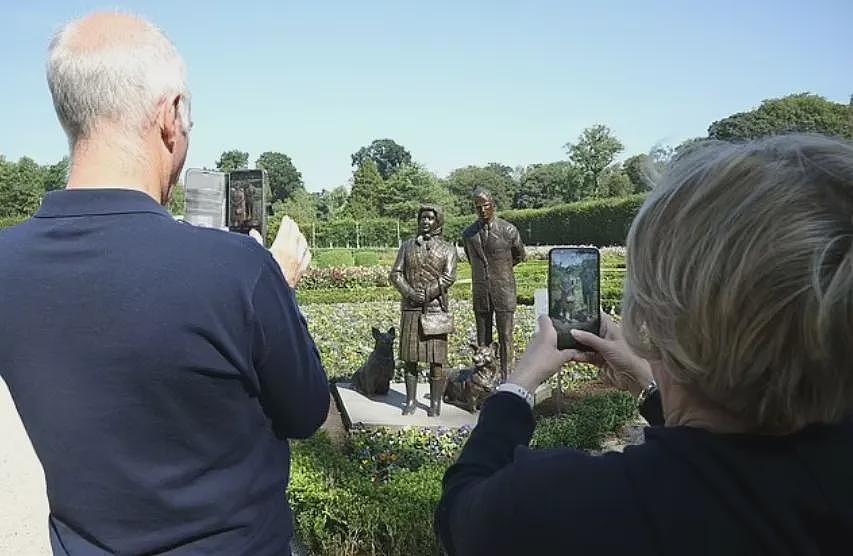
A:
x: 245, y: 200
x: 573, y: 293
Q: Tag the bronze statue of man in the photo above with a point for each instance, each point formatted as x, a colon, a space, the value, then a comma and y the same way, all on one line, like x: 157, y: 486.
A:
x: 423, y: 272
x: 493, y: 247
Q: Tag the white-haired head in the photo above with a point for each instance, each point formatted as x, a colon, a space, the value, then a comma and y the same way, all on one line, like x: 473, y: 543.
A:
x: 740, y: 278
x: 111, y: 70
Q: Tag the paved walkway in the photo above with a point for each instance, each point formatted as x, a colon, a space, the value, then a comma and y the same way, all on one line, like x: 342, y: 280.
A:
x: 23, y: 503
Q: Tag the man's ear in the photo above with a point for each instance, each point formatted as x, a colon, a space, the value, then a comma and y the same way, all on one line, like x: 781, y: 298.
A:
x: 169, y: 121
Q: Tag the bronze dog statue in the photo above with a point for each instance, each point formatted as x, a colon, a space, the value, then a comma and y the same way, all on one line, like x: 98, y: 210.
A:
x: 468, y: 388
x: 374, y: 377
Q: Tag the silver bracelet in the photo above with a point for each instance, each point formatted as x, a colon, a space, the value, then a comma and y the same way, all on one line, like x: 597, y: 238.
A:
x: 646, y: 392
x: 519, y: 391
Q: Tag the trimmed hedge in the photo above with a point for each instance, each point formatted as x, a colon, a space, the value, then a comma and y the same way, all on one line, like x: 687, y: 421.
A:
x: 334, y: 258
x: 366, y: 258
x: 598, y: 222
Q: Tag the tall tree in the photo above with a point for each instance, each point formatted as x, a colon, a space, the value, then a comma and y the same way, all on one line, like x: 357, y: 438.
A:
x: 641, y: 168
x: 56, y: 175
x: 21, y: 187
x: 332, y: 204
x: 495, y: 177
x: 544, y: 185
x: 300, y: 206
x: 411, y: 186
x: 367, y: 190
x: 802, y: 112
x: 614, y: 182
x: 595, y: 150
x: 178, y: 200
x: 232, y: 160
x: 386, y: 154
x: 284, y: 178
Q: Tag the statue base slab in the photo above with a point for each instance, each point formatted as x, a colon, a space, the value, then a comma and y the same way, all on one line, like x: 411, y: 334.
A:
x: 386, y: 411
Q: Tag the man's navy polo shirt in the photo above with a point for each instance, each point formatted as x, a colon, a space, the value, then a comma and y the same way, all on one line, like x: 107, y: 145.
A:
x: 158, y: 369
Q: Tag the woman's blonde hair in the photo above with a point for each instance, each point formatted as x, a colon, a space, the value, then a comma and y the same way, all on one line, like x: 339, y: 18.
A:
x: 740, y: 277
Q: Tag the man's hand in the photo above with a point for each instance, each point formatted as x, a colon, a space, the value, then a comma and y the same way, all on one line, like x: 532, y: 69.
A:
x: 290, y: 250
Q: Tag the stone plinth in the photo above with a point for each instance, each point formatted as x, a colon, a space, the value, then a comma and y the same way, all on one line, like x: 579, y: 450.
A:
x: 386, y: 411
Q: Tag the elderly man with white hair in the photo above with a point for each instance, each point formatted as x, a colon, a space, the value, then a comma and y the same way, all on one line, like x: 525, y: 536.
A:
x: 159, y: 369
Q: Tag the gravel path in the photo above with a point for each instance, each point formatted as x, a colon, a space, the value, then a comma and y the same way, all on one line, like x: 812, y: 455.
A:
x: 23, y: 503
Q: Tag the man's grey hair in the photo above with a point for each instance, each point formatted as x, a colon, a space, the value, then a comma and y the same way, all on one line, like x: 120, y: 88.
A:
x: 117, y: 82
x: 482, y: 193
x: 740, y: 278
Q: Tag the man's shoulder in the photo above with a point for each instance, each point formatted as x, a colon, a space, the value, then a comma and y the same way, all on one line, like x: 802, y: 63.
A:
x: 471, y: 230
x: 220, y: 246
x: 504, y: 224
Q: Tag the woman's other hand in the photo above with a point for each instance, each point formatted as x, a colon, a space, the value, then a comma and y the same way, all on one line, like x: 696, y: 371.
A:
x: 541, y: 360
x: 620, y: 366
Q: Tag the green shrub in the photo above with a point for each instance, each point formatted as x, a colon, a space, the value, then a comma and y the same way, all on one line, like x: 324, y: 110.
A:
x: 341, y: 510
x: 366, y: 258
x: 9, y: 221
x: 377, y: 494
x: 587, y: 424
x: 328, y: 258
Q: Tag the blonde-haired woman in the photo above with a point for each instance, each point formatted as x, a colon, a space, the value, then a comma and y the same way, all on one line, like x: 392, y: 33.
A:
x: 738, y: 342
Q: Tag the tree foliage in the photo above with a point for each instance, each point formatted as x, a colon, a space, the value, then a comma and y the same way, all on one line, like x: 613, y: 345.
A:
x: 300, y: 206
x: 56, y: 175
x: 232, y: 160
x: 332, y: 204
x: 614, y: 182
x: 544, y: 185
x: 284, y: 178
x: 367, y: 190
x: 21, y: 187
x: 411, y: 186
x: 386, y: 154
x: 802, y: 112
x: 595, y: 150
x: 497, y: 178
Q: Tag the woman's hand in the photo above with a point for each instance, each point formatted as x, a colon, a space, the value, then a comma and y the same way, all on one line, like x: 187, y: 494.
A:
x: 620, y: 367
x: 541, y: 360
x: 290, y: 250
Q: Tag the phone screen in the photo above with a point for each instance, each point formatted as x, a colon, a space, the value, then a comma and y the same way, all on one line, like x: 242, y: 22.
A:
x: 573, y: 292
x: 246, y: 200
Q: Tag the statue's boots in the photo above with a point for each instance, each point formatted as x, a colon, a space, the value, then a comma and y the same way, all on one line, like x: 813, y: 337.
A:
x: 436, y: 393
x: 411, y: 394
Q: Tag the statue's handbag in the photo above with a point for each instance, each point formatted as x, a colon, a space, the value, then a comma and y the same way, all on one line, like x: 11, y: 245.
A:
x: 437, y: 324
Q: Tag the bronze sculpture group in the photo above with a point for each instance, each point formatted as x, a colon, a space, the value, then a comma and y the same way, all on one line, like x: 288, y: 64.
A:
x: 423, y: 273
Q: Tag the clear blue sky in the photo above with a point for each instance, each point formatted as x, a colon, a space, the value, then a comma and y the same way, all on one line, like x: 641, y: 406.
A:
x: 455, y: 82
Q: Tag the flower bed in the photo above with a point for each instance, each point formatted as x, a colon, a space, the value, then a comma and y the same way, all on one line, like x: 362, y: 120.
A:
x: 377, y: 493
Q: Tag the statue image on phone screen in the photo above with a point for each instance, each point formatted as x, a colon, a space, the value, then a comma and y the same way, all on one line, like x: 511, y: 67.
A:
x: 573, y: 292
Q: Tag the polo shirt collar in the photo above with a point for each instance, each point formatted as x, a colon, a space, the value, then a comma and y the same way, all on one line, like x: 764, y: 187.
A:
x: 95, y: 202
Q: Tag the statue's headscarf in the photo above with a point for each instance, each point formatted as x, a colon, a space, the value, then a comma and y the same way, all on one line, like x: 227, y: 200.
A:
x: 438, y: 226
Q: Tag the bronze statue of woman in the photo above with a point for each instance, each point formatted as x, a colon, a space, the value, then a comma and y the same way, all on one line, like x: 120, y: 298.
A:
x: 423, y: 273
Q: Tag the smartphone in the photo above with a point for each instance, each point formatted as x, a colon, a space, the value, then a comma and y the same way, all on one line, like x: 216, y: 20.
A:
x: 574, y: 283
